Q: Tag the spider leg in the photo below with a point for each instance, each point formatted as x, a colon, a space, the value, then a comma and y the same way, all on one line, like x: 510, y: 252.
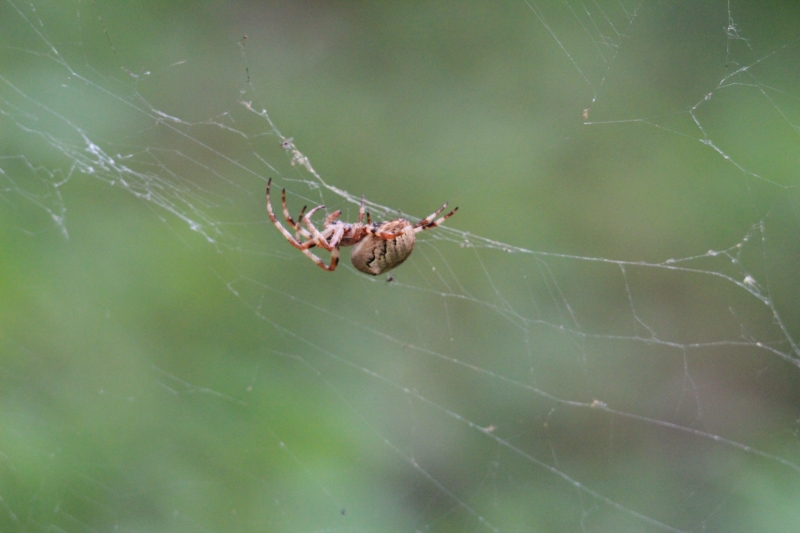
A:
x: 321, y: 264
x: 332, y: 233
x: 297, y: 227
x: 328, y: 239
x: 286, y: 214
x: 319, y: 238
x: 334, y: 260
x: 428, y: 222
x: 284, y: 231
x: 361, y: 212
x: 303, y: 247
x: 333, y: 216
x: 336, y: 237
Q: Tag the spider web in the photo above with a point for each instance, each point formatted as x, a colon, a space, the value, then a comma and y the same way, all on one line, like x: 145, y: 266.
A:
x: 603, y: 338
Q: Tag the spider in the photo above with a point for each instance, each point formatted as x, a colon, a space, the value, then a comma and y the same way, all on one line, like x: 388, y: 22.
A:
x: 379, y: 246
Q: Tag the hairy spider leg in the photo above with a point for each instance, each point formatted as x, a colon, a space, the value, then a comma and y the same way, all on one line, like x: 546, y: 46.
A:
x: 295, y: 243
x: 304, y: 246
x: 426, y: 223
x: 297, y: 227
x: 330, y: 218
x: 329, y: 238
x: 320, y: 238
x: 336, y: 236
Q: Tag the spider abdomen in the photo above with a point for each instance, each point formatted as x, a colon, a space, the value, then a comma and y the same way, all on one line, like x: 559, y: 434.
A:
x: 375, y: 255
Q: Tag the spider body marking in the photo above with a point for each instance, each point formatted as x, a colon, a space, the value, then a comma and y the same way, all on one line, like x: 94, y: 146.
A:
x: 378, y: 246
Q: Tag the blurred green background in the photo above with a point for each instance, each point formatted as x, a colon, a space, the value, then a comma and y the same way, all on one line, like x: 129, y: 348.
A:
x: 565, y: 355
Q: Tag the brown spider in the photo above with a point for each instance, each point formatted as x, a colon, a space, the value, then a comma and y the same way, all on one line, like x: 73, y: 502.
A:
x: 379, y: 246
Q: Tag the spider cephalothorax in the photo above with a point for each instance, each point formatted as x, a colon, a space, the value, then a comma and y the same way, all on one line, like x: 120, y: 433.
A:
x: 379, y: 246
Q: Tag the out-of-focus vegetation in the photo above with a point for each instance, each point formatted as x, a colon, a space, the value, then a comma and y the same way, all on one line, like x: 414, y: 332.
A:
x: 170, y: 363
